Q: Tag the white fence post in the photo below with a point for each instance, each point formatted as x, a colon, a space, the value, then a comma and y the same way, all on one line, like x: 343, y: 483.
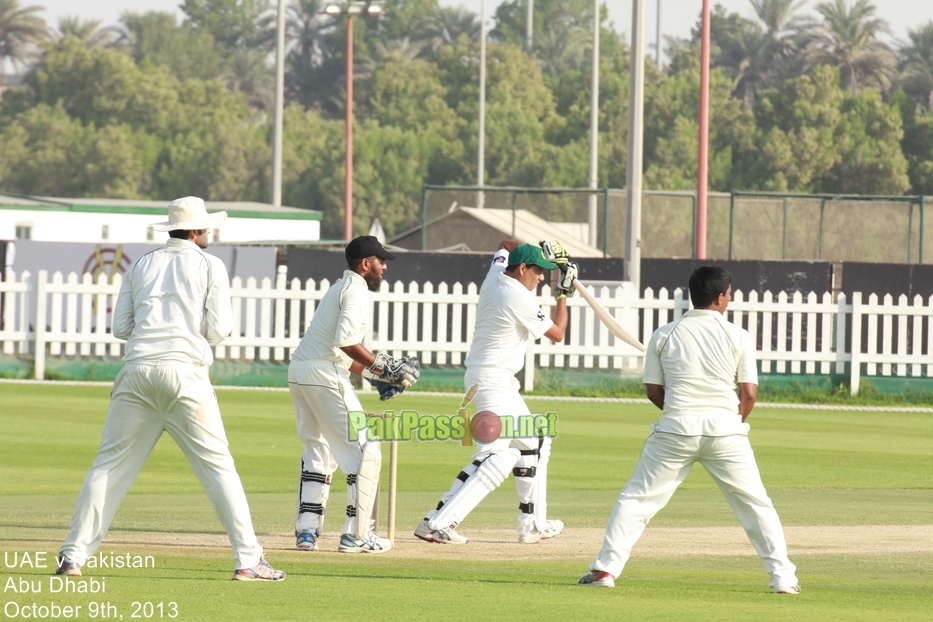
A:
x: 856, y: 347
x: 529, y: 380
x: 41, y: 305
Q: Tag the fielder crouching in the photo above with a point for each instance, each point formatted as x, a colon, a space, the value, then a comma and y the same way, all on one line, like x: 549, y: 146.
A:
x: 507, y: 316
x: 319, y: 382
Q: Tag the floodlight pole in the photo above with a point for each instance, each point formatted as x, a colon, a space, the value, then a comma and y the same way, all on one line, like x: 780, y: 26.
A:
x: 481, y: 140
x: 657, y: 37
x: 348, y: 162
x: 372, y: 7
x: 279, y: 106
x: 529, y: 25
x: 703, y: 152
x: 594, y: 126
x: 636, y: 117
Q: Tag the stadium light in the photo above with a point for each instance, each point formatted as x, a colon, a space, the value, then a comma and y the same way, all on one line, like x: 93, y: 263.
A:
x: 375, y: 7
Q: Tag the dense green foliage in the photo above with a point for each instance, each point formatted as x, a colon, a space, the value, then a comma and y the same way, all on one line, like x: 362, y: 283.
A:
x: 154, y: 108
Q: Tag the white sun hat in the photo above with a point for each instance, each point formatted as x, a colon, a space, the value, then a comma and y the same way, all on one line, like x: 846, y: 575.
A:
x: 189, y: 213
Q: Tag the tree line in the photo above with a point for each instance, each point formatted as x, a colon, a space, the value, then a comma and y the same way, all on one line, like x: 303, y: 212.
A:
x: 157, y: 107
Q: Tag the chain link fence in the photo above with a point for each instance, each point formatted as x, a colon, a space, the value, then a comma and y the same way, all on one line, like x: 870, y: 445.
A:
x: 740, y: 225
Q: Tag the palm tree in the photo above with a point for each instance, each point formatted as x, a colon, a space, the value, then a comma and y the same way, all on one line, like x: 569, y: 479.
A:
x: 431, y: 32
x: 759, y: 56
x: 849, y: 41
x: 451, y: 22
x: 250, y: 73
x: 306, y: 37
x: 88, y: 30
x: 20, y: 30
x: 397, y: 50
x: 916, y: 64
x: 562, y: 47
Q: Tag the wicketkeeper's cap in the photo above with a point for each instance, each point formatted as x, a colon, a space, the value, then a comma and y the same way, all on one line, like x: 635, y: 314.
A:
x: 366, y: 246
x: 530, y: 255
x: 189, y: 214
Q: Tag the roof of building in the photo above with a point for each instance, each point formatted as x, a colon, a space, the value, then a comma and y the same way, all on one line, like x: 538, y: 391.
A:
x: 527, y: 227
x: 235, y: 209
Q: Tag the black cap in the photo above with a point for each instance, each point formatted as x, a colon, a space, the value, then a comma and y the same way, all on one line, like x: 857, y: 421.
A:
x: 366, y: 246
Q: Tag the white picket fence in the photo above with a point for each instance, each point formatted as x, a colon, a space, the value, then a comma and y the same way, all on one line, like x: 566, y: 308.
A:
x: 70, y: 316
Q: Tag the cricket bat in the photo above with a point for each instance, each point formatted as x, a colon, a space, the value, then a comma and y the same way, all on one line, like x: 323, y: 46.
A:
x: 467, y: 440
x: 606, y: 318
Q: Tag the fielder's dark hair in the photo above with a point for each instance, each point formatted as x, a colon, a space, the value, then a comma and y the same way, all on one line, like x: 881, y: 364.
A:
x: 706, y: 283
x: 353, y: 264
x: 179, y: 234
x: 512, y: 267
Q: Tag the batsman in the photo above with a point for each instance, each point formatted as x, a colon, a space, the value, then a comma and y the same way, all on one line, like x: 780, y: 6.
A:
x: 507, y: 317
x: 319, y: 382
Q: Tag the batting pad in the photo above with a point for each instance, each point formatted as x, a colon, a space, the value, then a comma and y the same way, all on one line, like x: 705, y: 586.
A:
x: 487, y: 477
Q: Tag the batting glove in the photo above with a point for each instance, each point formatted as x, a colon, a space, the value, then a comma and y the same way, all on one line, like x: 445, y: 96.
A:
x: 554, y: 251
x: 568, y: 273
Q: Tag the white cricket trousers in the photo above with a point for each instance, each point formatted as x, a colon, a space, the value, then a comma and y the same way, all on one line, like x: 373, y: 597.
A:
x: 147, y: 400
x: 323, y: 397
x: 665, y: 462
x: 498, y: 392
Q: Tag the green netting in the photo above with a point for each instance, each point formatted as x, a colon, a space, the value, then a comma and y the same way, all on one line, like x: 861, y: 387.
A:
x: 548, y: 381
x: 15, y: 367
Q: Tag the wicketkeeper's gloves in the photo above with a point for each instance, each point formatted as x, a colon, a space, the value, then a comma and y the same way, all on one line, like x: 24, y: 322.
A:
x: 568, y: 272
x: 554, y: 251
x: 402, y: 372
x: 386, y: 391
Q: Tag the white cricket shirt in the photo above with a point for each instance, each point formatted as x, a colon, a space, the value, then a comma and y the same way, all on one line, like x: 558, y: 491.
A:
x: 340, y: 320
x: 507, y: 316
x: 174, y: 305
x: 698, y: 359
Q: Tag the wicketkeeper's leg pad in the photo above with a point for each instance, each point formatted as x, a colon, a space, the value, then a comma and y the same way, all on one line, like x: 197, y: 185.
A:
x: 362, y: 488
x: 487, y: 477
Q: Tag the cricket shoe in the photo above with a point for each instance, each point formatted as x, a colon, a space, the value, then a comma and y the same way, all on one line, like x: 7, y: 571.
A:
x: 306, y: 540
x: 260, y: 572
x: 787, y: 589
x: 554, y: 527
x: 372, y: 543
x: 68, y: 567
x: 447, y: 535
x: 597, y: 578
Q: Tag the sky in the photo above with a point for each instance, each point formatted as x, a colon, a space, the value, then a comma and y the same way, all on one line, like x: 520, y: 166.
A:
x: 677, y: 16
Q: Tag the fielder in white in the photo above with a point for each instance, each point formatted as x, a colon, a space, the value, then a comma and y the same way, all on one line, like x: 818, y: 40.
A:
x: 173, y: 306
x: 507, y: 317
x: 319, y: 382
x: 691, y: 369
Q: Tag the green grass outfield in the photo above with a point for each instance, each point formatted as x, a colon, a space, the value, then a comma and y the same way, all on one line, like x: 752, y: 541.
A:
x: 854, y: 490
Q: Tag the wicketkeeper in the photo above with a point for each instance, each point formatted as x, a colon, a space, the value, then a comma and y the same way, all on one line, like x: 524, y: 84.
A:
x: 507, y: 316
x: 319, y: 382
